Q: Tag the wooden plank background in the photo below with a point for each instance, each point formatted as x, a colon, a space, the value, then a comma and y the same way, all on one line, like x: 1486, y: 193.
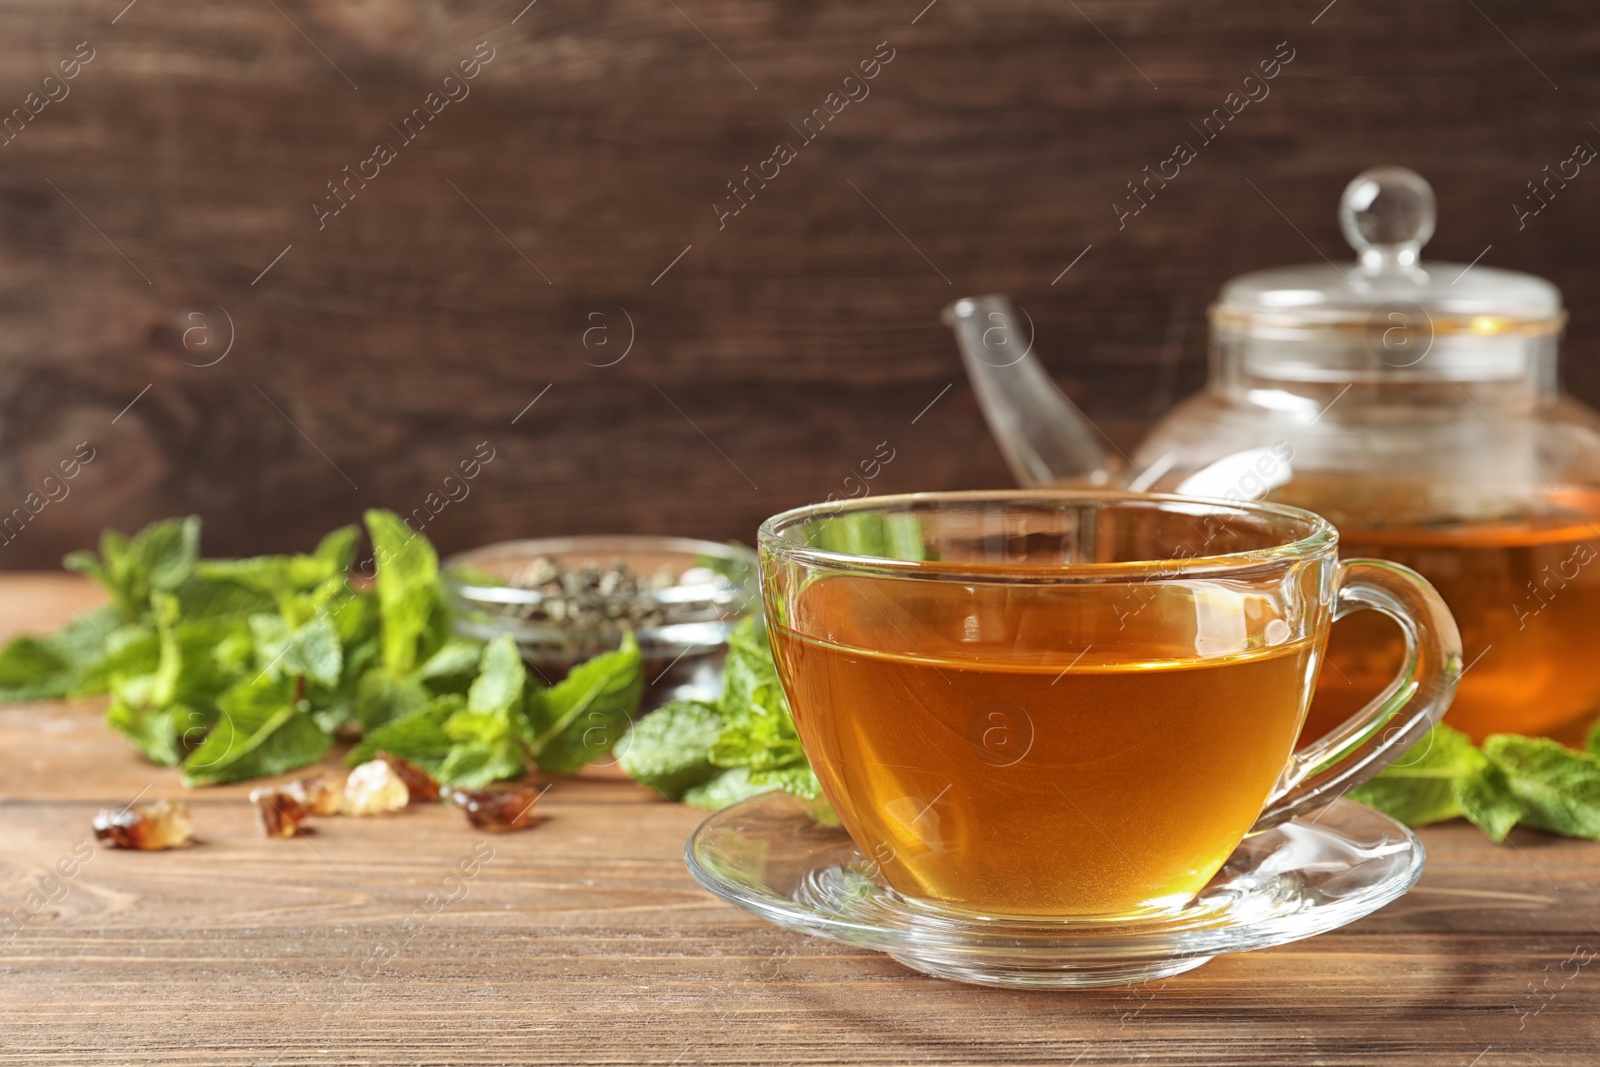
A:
x: 778, y: 350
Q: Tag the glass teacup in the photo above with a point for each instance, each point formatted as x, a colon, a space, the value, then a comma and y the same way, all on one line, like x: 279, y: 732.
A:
x: 1075, y: 705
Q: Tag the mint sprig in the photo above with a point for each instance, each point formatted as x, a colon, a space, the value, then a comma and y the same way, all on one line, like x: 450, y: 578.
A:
x: 160, y: 557
x: 1510, y: 781
x: 238, y: 668
x: 712, y: 755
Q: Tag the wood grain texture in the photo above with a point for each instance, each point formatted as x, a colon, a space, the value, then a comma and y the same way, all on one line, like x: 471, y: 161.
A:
x: 584, y: 941
x: 379, y: 350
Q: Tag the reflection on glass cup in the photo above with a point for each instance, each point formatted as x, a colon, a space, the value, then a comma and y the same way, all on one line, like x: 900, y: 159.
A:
x: 1076, y: 704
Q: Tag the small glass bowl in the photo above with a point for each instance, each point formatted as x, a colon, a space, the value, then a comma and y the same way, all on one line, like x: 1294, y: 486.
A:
x: 682, y: 628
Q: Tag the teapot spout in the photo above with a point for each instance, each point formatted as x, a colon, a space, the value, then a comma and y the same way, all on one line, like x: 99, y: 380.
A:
x: 1044, y: 437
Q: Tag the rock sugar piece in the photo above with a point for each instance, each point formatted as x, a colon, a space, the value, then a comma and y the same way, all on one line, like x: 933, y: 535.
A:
x: 510, y: 808
x: 316, y: 794
x: 419, y: 783
x: 374, y: 789
x: 279, y: 812
x: 149, y: 827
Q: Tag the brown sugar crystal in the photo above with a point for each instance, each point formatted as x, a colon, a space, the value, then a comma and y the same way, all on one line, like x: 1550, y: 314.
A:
x: 419, y: 783
x: 148, y: 827
x: 316, y: 794
x: 505, y: 809
x: 279, y: 812
x: 374, y: 788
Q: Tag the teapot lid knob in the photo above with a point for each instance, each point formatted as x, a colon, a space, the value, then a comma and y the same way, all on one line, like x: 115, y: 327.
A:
x: 1387, y: 214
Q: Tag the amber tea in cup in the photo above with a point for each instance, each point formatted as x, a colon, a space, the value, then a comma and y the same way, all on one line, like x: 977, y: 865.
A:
x: 1076, y: 705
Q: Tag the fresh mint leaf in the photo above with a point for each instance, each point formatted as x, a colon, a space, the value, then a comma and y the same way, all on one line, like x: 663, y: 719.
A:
x: 34, y: 669
x: 1513, y: 780
x: 165, y: 552
x: 668, y: 750
x: 332, y: 598
x: 744, y: 745
x: 220, y: 599
x: 132, y: 655
x: 763, y: 740
x: 1444, y: 776
x: 332, y: 716
x: 1559, y: 789
x: 158, y: 733
x: 751, y: 674
x: 164, y: 685
x: 282, y: 575
x: 760, y: 733
x: 798, y: 779
x: 419, y: 737
x: 578, y: 720
x: 455, y: 658
x: 87, y: 639
x: 475, y: 764
x: 352, y: 618
x: 729, y: 787
x: 1425, y: 784
x: 70, y: 662
x: 382, y: 698
x: 354, y: 614
x: 460, y: 747
x: 502, y: 677
x: 486, y: 735
x: 338, y: 549
x: 300, y: 588
x: 334, y: 707
x: 466, y: 741
x: 470, y: 726
x: 452, y: 668
x: 261, y: 732
x: 413, y: 613
x: 159, y: 558
x: 1489, y: 804
x: 239, y: 668
x: 188, y: 669
x: 317, y: 653
x: 311, y: 651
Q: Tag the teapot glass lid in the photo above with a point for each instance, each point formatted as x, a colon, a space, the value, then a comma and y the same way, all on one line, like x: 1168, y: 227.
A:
x: 1387, y: 214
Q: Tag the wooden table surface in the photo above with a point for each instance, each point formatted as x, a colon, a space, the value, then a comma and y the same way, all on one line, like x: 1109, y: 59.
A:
x: 584, y: 941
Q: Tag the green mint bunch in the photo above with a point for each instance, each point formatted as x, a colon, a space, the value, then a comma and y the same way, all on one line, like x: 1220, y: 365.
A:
x: 714, y: 754
x: 236, y: 669
x: 1511, y: 781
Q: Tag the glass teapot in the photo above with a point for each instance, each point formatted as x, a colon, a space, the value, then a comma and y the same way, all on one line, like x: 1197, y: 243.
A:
x: 1416, y: 407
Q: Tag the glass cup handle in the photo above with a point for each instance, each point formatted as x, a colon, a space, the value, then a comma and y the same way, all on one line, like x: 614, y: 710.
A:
x: 1375, y: 736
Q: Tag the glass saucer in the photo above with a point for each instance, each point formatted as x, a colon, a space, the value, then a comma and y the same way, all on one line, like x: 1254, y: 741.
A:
x: 1302, y: 878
